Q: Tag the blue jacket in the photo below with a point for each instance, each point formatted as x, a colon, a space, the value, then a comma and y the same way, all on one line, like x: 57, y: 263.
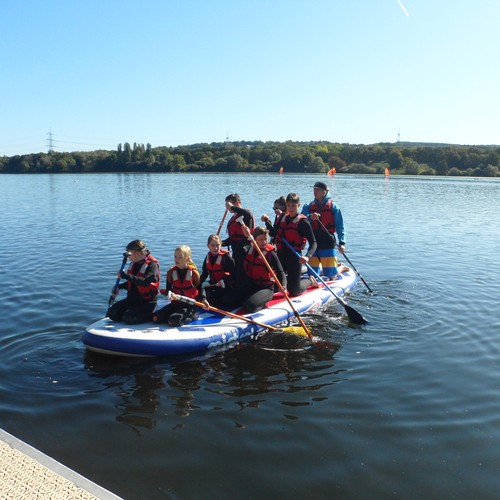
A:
x: 337, y: 214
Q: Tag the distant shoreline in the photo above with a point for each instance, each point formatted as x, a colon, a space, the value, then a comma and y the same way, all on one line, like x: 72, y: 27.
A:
x: 269, y: 157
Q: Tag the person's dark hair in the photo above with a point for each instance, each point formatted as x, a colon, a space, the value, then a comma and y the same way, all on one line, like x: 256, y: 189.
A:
x: 233, y: 197
x: 259, y: 230
x: 281, y: 202
x: 293, y: 198
x: 139, y: 246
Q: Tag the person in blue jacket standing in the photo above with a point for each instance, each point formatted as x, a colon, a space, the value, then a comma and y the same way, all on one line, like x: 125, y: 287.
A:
x: 327, y: 221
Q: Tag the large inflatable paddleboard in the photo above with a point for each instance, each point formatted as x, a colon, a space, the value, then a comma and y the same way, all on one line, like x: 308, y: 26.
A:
x: 210, y: 330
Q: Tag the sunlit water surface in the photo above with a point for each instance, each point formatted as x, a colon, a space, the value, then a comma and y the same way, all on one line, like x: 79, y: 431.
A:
x: 407, y: 406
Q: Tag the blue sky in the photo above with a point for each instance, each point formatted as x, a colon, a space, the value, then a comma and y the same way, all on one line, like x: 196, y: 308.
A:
x: 96, y: 73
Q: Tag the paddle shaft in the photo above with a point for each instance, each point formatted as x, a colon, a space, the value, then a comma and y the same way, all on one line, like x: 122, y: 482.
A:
x: 354, y: 316
x: 347, y: 258
x: 189, y: 300
x: 222, y: 222
x: 111, y: 300
x: 357, y: 272
x: 280, y: 286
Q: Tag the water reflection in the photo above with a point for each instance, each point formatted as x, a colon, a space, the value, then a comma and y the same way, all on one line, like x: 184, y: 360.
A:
x: 141, y: 404
x: 289, y: 369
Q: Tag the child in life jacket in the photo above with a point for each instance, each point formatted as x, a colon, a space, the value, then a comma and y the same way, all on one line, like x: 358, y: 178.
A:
x: 297, y: 231
x: 142, y: 281
x: 279, y: 209
x: 183, y: 278
x: 239, y: 217
x: 258, y: 286
x: 220, y: 270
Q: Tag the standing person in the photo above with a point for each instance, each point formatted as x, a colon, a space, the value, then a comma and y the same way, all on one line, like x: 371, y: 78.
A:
x: 142, y: 281
x: 258, y: 285
x: 297, y: 230
x: 279, y: 208
x: 183, y: 278
x: 326, y: 220
x: 219, y: 267
x: 239, y: 217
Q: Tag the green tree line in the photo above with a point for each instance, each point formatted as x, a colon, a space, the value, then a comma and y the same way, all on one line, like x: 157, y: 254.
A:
x: 258, y: 156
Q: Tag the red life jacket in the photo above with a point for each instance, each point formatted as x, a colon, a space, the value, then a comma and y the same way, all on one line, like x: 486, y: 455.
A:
x: 148, y: 292
x: 327, y: 217
x: 289, y: 229
x: 276, y: 224
x: 184, y: 286
x: 234, y: 228
x: 278, y: 219
x: 216, y: 270
x: 255, y: 268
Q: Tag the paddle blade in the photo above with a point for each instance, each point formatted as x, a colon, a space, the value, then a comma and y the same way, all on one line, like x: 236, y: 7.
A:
x: 354, y: 315
x: 296, y: 330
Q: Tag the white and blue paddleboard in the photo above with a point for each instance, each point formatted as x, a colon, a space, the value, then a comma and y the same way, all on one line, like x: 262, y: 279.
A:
x: 210, y: 330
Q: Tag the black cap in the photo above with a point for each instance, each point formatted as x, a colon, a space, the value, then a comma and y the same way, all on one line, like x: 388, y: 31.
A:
x: 321, y: 185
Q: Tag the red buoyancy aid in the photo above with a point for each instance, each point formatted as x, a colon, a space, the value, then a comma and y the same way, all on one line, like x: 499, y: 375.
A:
x: 276, y: 225
x: 327, y: 217
x: 216, y: 270
x: 289, y: 229
x: 234, y: 228
x: 184, y: 286
x: 255, y: 268
x: 148, y: 292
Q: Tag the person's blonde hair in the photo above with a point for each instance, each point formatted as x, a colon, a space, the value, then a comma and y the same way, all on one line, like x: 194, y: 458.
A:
x: 214, y: 237
x: 185, y: 250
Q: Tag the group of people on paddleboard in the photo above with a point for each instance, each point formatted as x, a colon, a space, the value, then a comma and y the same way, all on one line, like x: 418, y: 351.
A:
x: 260, y: 261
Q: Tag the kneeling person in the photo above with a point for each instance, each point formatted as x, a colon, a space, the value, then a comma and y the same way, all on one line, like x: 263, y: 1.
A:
x: 257, y: 286
x: 220, y: 270
x: 297, y: 231
x: 142, y: 284
x: 182, y: 279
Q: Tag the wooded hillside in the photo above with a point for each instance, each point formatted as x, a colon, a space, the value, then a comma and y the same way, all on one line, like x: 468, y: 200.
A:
x: 258, y: 156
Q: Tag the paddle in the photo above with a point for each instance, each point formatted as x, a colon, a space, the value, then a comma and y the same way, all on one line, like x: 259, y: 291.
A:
x: 347, y: 258
x: 188, y: 300
x: 353, y: 315
x: 280, y: 286
x: 222, y: 222
x: 114, y: 291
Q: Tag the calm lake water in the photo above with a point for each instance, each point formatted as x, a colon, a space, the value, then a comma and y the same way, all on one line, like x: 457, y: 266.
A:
x: 407, y: 406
